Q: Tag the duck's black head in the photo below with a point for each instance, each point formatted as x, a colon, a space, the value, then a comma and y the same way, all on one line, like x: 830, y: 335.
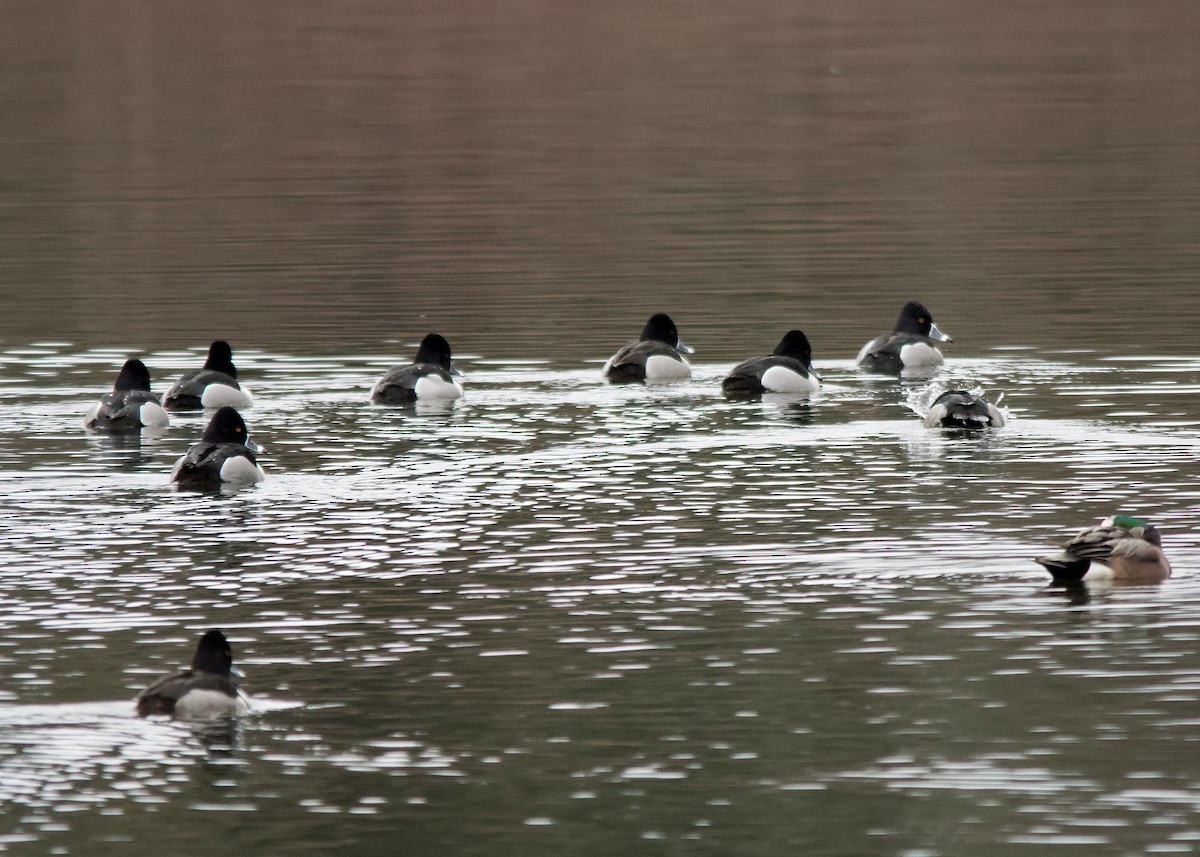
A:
x: 795, y: 344
x: 660, y: 328
x: 436, y: 350
x: 916, y: 318
x: 213, y: 654
x: 133, y: 376
x: 226, y: 426
x: 220, y: 358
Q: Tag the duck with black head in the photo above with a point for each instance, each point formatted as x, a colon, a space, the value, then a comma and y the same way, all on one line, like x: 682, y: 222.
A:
x: 788, y: 369
x: 212, y: 386
x: 130, y: 406
x: 657, y: 355
x: 205, y: 690
x: 431, y: 376
x: 222, y: 457
x: 910, y: 347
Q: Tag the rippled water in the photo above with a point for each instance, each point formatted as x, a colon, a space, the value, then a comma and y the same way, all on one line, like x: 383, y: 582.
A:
x: 557, y: 616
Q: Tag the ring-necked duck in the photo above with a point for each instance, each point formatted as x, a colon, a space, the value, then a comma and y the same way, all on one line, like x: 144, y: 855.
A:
x: 130, y: 406
x: 1118, y: 548
x: 788, y: 369
x: 432, y: 375
x: 656, y: 356
x: 221, y: 456
x: 206, y: 690
x: 910, y: 346
x: 964, y: 410
x: 213, y: 386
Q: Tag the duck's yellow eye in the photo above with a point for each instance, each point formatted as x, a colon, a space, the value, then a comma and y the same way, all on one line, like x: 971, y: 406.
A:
x: 921, y: 320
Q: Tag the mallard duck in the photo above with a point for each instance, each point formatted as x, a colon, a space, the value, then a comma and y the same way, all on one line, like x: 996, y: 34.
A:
x: 1118, y: 548
x: 657, y: 355
x: 910, y: 345
x: 788, y: 369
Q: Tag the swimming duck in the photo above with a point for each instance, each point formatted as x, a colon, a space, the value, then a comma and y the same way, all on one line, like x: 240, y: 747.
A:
x: 963, y: 410
x: 1118, y: 548
x: 656, y: 356
x: 788, y: 369
x: 221, y: 456
x: 130, y: 406
x: 431, y: 376
x: 910, y: 345
x: 206, y: 690
x: 212, y: 386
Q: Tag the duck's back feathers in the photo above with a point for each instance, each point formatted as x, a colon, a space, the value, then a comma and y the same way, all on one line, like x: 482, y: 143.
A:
x: 964, y: 410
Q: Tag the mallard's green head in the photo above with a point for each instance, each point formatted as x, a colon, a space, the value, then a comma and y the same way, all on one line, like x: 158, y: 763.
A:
x: 1125, y: 522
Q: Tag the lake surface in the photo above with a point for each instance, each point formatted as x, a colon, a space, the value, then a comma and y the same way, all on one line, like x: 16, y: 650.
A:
x: 559, y: 617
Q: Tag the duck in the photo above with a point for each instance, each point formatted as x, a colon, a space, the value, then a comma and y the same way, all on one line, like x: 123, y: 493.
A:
x: 130, y: 406
x: 213, y: 385
x: 221, y: 457
x: 657, y: 355
x: 788, y: 369
x: 431, y: 375
x: 910, y: 346
x: 962, y: 409
x: 1120, y: 547
x: 206, y: 690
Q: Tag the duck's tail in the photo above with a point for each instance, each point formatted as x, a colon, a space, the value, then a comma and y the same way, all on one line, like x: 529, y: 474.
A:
x: 1065, y: 566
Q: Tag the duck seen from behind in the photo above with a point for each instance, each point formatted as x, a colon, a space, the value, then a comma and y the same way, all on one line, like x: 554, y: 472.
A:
x: 205, y: 690
x: 961, y: 409
x: 221, y: 457
x: 212, y: 386
x: 431, y: 375
x: 130, y: 406
x: 657, y: 355
x: 909, y: 347
x: 1120, y: 548
x: 788, y: 369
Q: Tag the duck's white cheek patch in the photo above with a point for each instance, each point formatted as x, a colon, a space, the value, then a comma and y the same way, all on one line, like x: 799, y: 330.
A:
x: 436, y: 387
x: 151, y: 414
x: 220, y: 395
x: 242, y: 470
x: 780, y: 379
x: 659, y: 367
x: 209, y: 703
x: 920, y: 354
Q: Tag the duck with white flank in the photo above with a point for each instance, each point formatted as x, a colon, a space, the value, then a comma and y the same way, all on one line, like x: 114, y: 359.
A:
x: 657, y: 355
x: 205, y: 691
x: 221, y: 457
x: 909, y: 347
x: 212, y: 386
x: 431, y: 375
x: 130, y: 406
x: 788, y: 369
